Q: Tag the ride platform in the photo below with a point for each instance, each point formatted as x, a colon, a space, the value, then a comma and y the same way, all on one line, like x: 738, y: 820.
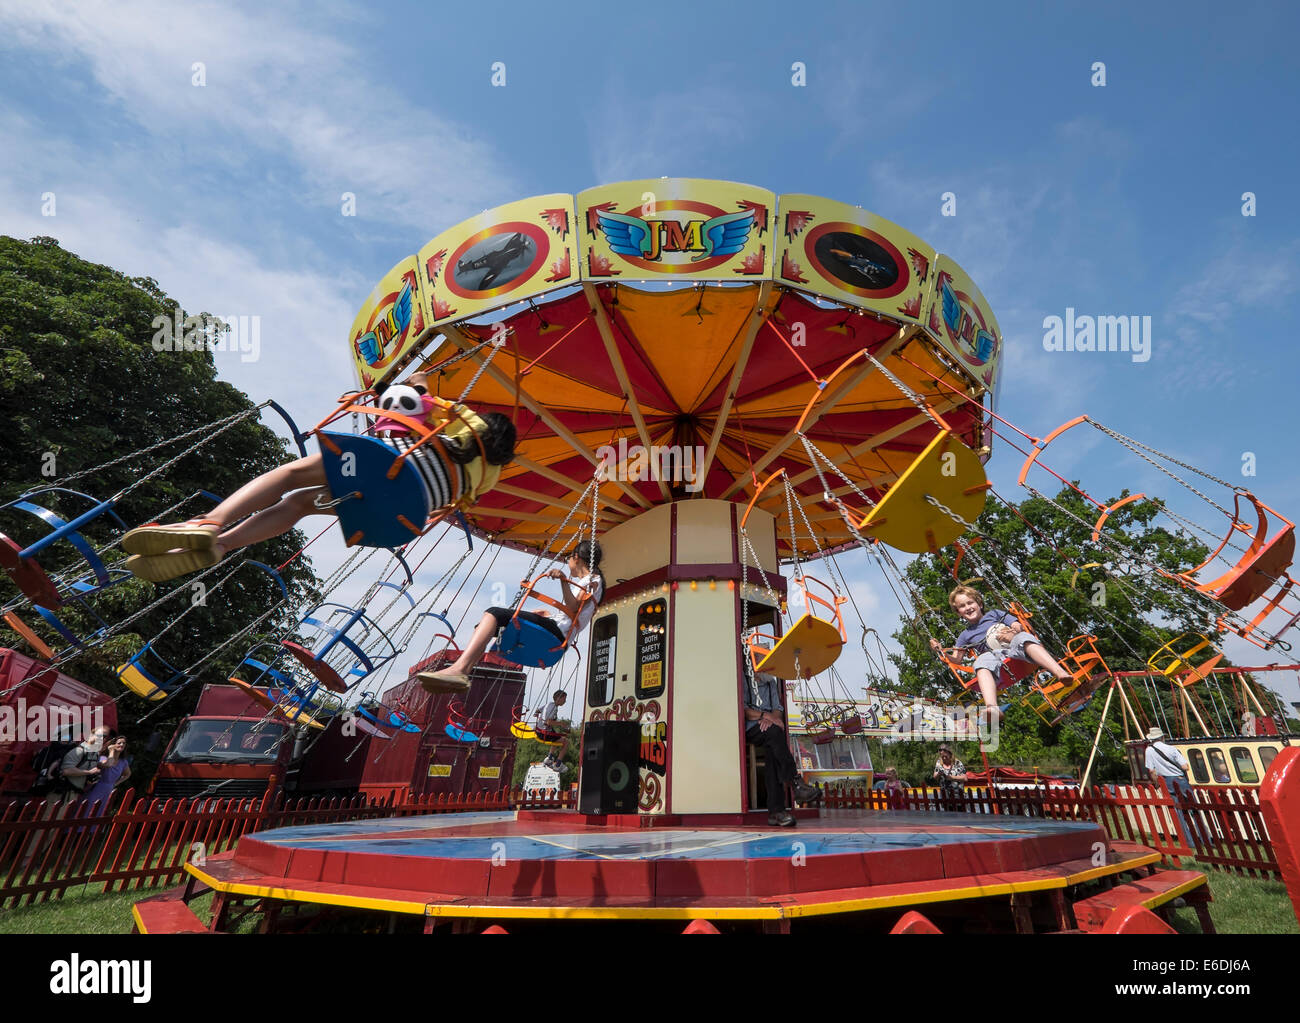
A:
x: 469, y: 871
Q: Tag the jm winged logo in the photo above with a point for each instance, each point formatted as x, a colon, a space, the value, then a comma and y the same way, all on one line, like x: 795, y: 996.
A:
x: 677, y: 233
x: 374, y: 345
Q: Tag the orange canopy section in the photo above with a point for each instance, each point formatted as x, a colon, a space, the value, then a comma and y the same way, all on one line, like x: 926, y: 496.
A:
x: 694, y: 392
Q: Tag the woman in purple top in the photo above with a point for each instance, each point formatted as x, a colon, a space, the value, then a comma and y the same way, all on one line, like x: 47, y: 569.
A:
x: 113, y: 770
x: 997, y: 637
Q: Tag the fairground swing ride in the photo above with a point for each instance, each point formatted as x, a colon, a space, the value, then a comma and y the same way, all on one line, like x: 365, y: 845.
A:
x: 727, y: 389
x: 787, y: 380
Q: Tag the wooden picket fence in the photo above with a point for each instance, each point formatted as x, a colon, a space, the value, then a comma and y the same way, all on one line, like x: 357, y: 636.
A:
x: 47, y: 848
x: 1222, y: 827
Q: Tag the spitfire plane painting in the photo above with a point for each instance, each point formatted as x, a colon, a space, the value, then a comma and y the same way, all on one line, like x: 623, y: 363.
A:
x: 857, y: 261
x: 494, y: 262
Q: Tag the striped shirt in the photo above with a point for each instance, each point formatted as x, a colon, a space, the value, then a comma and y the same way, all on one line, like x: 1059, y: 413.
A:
x: 444, y: 481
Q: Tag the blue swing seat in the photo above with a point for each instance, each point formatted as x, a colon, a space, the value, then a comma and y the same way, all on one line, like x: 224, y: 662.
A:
x: 28, y: 575
x: 460, y: 734
x: 383, y: 512
x: 529, y: 644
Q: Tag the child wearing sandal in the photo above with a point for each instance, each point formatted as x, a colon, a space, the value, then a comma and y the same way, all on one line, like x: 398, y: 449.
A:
x: 580, y: 599
x: 454, y: 470
x: 997, y: 637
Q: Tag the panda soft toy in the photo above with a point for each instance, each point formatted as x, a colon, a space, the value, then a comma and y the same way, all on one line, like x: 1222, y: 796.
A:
x: 402, y: 399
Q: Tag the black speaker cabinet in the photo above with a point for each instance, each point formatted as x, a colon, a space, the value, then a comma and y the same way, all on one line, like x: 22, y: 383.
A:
x: 610, y: 778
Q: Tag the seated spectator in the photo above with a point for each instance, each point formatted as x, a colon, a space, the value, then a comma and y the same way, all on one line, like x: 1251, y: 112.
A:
x: 765, y: 727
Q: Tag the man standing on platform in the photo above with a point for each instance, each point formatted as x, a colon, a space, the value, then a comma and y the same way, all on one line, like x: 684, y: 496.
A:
x: 765, y: 728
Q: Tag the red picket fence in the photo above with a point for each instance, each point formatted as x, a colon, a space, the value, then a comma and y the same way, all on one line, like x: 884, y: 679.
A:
x: 47, y: 847
x: 1221, y: 827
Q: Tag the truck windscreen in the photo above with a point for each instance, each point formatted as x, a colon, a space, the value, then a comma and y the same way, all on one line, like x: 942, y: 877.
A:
x: 213, y: 740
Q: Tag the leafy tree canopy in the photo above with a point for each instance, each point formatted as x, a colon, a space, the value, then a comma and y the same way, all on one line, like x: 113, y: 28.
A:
x: 81, y: 385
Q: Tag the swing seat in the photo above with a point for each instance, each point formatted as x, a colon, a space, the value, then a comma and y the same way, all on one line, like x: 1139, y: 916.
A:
x: 272, y: 701
x: 1012, y: 670
x: 1058, y: 698
x: 364, y: 724
x: 814, y: 642
x: 460, y: 726
x: 374, y: 510
x: 523, y: 730
x: 1262, y: 564
x: 529, y: 645
x: 851, y: 725
x: 1174, y: 659
x: 143, y: 682
x: 39, y: 645
x: 385, y: 717
x: 324, y: 674
x: 824, y: 737
x: 947, y: 471
x: 19, y: 562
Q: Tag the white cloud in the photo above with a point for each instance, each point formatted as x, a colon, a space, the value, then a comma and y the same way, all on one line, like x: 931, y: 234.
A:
x: 636, y: 135
x: 272, y: 84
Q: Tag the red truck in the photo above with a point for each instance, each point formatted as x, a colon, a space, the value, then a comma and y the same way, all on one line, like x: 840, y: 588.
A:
x: 229, y: 748
x: 41, y: 705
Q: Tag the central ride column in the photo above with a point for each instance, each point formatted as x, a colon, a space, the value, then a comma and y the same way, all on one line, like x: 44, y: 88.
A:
x: 665, y: 650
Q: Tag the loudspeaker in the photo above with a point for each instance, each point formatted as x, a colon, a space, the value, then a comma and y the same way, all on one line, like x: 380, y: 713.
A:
x: 611, y: 776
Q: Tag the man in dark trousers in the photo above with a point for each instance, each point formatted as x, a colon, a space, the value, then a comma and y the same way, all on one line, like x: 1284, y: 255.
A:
x: 765, y: 727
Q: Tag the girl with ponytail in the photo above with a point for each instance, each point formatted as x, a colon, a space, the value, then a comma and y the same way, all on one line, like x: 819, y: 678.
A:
x: 584, y: 578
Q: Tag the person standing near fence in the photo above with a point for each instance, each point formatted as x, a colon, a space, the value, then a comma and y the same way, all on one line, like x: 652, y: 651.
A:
x: 79, y: 768
x: 950, y: 773
x: 1163, y: 761
x: 114, y: 768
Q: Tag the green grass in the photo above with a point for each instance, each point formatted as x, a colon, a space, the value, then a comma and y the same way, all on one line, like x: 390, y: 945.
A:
x: 1242, y: 905
x: 84, y: 910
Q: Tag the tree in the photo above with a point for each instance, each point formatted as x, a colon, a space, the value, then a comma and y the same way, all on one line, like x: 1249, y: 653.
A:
x: 1035, y: 554
x: 81, y: 385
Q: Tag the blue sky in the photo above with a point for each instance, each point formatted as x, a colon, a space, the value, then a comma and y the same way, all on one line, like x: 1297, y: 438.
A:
x: 1120, y: 200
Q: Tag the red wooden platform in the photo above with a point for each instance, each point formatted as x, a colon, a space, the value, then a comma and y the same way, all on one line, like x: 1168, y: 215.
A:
x: 480, y: 869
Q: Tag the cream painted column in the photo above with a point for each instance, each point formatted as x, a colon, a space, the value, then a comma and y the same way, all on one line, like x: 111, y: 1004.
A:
x: 665, y: 648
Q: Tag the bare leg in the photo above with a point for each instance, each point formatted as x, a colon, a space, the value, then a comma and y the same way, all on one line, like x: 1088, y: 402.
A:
x: 273, y: 521
x: 269, y: 488
x: 988, y: 688
x: 478, y: 644
x: 1039, y: 655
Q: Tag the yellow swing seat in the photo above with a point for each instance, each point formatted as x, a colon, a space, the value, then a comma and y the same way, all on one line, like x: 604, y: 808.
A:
x: 947, y: 471
x: 1176, y: 658
x: 814, y: 642
x: 1058, y: 698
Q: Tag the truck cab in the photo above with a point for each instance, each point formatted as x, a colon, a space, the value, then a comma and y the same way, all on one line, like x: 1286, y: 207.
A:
x: 226, y: 749
x: 229, y: 748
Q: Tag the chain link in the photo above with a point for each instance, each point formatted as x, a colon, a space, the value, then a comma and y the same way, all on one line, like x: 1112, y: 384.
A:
x: 1133, y: 446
